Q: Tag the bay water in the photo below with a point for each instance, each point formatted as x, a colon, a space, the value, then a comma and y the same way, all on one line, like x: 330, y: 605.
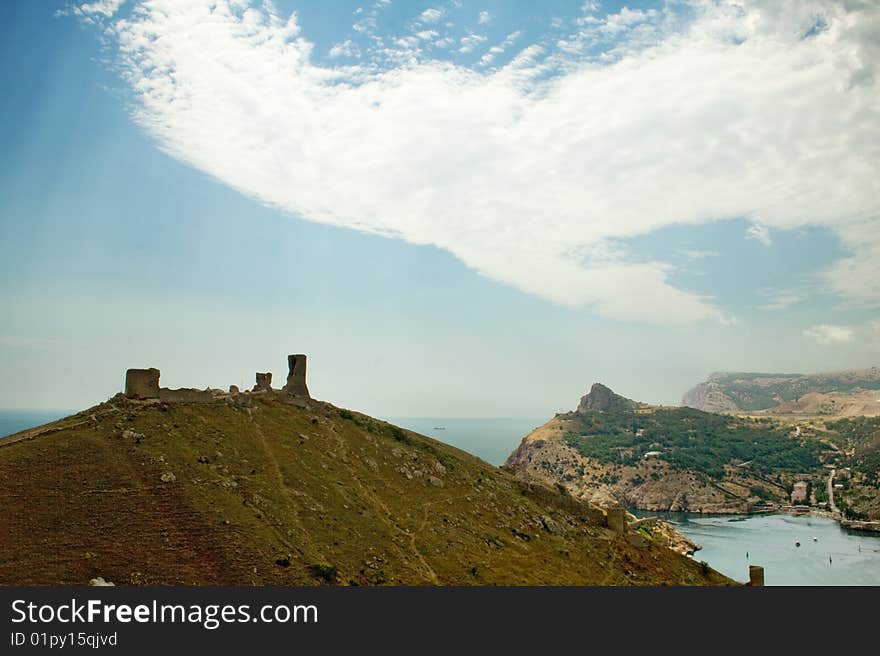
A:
x: 827, y: 555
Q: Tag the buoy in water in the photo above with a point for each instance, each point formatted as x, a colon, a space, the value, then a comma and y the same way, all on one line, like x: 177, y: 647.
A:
x: 815, y: 539
x: 797, y: 544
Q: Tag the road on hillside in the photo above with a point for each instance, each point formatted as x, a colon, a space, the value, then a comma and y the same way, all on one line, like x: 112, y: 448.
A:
x: 831, y: 505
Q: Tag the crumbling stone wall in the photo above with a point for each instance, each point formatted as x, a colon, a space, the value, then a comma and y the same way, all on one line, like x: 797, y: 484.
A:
x: 188, y: 395
x: 142, y: 383
x: 296, y: 376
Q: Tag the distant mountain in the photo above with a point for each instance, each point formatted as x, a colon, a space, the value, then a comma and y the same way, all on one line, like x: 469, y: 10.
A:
x: 254, y: 489
x: 843, y: 393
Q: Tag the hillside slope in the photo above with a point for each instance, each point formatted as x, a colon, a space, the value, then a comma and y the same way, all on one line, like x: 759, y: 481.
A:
x: 255, y: 490
x: 841, y: 393
x: 616, y: 451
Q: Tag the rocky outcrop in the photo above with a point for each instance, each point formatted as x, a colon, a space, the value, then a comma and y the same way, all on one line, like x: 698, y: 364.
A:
x: 599, y: 399
x: 666, y: 534
x: 602, y: 399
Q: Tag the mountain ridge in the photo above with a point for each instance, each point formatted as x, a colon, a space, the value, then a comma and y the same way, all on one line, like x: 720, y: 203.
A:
x: 740, y: 392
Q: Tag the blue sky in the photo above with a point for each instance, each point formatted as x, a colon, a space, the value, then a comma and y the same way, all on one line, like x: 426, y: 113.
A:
x: 456, y: 209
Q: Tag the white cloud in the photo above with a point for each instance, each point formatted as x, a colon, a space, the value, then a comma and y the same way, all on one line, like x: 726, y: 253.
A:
x: 431, y: 15
x: 524, y: 177
x: 344, y: 49
x: 105, y: 8
x: 92, y: 12
x: 471, y: 41
x: 759, y: 233
x: 484, y: 18
x: 826, y: 334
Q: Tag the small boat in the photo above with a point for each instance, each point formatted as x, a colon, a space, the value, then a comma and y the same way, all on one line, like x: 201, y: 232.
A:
x: 439, y: 427
x: 797, y: 544
x: 815, y: 539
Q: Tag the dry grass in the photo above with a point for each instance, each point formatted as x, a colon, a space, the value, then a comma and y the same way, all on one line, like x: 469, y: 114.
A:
x: 267, y: 493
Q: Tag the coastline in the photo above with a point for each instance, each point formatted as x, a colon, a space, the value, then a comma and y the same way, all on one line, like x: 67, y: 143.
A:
x: 866, y: 526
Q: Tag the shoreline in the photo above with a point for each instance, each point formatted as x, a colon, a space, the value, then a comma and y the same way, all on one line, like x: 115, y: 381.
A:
x: 862, y: 526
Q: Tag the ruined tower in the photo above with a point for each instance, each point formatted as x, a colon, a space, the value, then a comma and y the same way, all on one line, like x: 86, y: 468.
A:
x: 616, y: 519
x: 296, y: 375
x: 264, y: 382
x: 756, y: 576
x: 142, y: 383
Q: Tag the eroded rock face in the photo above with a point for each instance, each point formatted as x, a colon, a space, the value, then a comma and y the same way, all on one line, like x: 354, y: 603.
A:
x: 296, y: 376
x: 601, y: 399
x: 709, y: 398
x: 264, y: 382
x: 142, y: 383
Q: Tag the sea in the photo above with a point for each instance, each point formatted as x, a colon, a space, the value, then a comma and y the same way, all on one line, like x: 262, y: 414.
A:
x: 13, y: 421
x: 492, y: 439
x: 827, y: 555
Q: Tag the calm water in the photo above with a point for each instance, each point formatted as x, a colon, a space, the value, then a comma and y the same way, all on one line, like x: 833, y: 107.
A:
x: 491, y: 439
x: 770, y: 541
x: 12, y: 421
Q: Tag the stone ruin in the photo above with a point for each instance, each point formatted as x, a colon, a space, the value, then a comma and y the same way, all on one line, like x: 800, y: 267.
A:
x: 143, y: 385
x: 296, y: 375
x: 264, y: 382
x: 616, y: 519
x: 756, y: 576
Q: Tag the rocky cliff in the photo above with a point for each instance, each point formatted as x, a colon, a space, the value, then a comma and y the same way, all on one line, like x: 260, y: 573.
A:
x: 613, y: 450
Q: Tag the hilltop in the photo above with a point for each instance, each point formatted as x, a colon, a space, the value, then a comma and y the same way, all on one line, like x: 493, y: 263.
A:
x: 613, y: 450
x: 272, y: 487
x: 853, y: 392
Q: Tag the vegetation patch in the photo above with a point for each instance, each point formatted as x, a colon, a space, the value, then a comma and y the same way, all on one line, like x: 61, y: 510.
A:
x: 691, y: 439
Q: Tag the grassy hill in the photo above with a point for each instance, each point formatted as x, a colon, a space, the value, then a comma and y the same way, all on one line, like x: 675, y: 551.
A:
x: 254, y: 490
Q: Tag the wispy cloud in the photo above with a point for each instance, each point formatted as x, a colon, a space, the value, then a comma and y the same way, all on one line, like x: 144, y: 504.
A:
x: 827, y: 334
x: 344, y: 49
x: 496, y: 50
x: 759, y: 233
x: 523, y: 172
x: 471, y: 41
x: 700, y: 254
x: 92, y: 12
x: 782, y: 301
